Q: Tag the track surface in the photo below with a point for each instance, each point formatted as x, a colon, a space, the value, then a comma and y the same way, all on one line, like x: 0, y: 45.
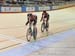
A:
x: 12, y: 26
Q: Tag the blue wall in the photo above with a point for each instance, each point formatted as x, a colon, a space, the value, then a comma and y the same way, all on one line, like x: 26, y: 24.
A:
x: 25, y: 9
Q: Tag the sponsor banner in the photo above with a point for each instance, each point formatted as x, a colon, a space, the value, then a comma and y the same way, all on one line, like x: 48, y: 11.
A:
x: 30, y: 8
x: 44, y: 8
x: 11, y: 9
x: 55, y: 7
x: 36, y: 8
x: 0, y: 9
x: 23, y: 8
x: 51, y: 7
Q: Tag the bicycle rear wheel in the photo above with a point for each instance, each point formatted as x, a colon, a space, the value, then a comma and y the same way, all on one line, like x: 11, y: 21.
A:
x: 47, y: 26
x: 34, y: 33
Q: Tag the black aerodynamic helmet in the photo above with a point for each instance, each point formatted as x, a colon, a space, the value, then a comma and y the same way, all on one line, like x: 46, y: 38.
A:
x: 44, y: 11
x: 30, y: 14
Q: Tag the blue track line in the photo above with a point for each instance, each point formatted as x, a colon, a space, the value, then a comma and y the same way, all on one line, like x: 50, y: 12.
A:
x: 26, y: 49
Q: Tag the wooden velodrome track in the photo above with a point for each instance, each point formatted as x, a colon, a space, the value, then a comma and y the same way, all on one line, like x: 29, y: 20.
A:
x: 13, y: 29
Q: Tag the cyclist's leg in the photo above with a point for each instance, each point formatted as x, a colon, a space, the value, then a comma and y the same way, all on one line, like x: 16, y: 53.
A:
x: 47, y: 22
x: 30, y: 24
x: 43, y: 21
x: 34, y: 23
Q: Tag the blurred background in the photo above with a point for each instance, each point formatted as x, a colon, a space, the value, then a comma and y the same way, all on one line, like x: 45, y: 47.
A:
x: 33, y: 2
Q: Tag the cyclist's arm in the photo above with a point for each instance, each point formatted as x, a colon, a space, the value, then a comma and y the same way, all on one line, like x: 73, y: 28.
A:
x: 27, y: 21
x: 41, y: 17
x: 48, y: 17
x: 36, y: 18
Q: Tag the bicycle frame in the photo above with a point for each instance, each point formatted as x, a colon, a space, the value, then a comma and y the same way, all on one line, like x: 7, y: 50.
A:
x: 45, y: 22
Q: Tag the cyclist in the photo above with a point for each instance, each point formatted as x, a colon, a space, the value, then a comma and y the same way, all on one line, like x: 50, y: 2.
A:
x: 45, y: 17
x: 31, y: 19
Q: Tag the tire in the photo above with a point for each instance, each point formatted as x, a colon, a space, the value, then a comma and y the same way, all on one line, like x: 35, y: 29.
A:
x: 34, y: 33
x: 42, y: 27
x: 28, y: 34
x: 47, y: 26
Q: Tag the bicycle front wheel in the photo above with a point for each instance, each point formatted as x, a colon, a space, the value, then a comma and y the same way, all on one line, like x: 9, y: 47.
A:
x: 28, y: 34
